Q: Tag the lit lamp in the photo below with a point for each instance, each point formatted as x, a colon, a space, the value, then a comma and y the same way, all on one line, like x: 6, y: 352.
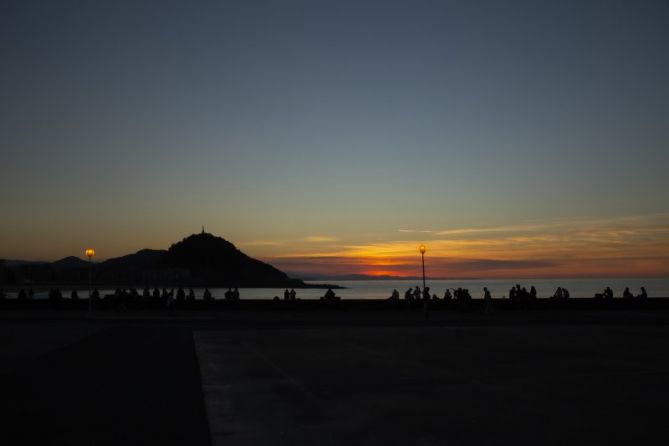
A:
x: 422, y: 250
x: 90, y: 252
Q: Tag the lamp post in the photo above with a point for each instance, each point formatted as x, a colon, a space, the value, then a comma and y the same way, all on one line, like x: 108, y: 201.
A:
x: 90, y: 252
x: 422, y: 250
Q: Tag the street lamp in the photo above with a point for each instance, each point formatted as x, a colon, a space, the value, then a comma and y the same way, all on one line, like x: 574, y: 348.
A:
x: 90, y: 252
x: 422, y: 250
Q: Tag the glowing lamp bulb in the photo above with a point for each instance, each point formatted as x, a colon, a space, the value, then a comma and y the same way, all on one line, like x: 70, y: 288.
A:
x: 90, y: 252
x: 422, y: 249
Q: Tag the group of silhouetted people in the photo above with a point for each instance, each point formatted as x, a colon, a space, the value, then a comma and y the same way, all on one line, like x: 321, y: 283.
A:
x: 232, y: 294
x: 516, y: 294
x: 21, y: 295
x: 520, y: 294
x: 123, y: 296
x: 289, y: 295
x: 561, y: 293
x: 413, y: 295
x: 607, y: 294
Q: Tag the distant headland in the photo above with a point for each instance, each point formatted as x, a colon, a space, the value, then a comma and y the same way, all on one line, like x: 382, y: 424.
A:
x: 200, y: 260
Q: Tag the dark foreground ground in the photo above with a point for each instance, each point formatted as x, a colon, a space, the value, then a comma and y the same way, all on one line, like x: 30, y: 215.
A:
x: 334, y: 377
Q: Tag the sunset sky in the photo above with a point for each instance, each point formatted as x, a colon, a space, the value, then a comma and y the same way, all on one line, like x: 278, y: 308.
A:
x: 514, y: 138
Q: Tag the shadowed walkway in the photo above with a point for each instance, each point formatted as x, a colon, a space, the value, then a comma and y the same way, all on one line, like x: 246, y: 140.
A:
x: 120, y: 386
x: 437, y: 385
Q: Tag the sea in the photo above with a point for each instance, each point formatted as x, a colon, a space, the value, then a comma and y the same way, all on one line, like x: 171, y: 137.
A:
x: 382, y: 289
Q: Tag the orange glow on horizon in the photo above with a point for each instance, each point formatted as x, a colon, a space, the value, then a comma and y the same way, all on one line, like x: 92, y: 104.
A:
x: 579, y: 248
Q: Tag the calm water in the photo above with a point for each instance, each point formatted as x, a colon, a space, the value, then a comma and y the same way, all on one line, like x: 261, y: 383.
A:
x: 381, y: 289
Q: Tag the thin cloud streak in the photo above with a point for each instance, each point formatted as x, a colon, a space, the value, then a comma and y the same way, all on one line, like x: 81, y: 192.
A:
x: 631, y: 245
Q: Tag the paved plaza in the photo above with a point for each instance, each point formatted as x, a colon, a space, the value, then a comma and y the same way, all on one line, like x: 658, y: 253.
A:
x: 257, y: 379
x: 436, y: 385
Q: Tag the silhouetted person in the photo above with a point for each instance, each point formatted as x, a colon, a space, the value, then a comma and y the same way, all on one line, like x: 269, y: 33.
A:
x: 74, y: 295
x: 146, y: 294
x: 533, y: 292
x: 156, y: 294
x: 395, y: 295
x: 608, y: 293
x: 565, y: 293
x: 426, y: 293
x: 22, y: 294
x: 228, y: 294
x: 329, y: 295
x: 170, y: 303
x: 512, y: 294
x: 207, y: 295
x: 487, y: 301
x: 95, y: 295
x: 191, y: 295
x: 644, y: 294
x: 408, y: 295
x: 558, y: 294
x: 286, y: 295
x: 235, y: 294
x: 293, y: 294
x: 447, y: 294
x: 627, y: 294
x: 416, y: 293
x: 181, y: 295
x: 120, y: 296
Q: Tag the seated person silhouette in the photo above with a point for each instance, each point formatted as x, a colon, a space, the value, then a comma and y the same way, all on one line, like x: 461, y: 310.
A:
x: 643, y: 294
x: 181, y: 295
x: 627, y: 294
x: 207, y: 295
x: 329, y: 295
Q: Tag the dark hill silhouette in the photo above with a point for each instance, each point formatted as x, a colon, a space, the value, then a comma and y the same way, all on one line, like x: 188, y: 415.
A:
x: 214, y: 261
x: 145, y: 258
x: 129, y: 268
x: 198, y: 260
x: 70, y: 262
